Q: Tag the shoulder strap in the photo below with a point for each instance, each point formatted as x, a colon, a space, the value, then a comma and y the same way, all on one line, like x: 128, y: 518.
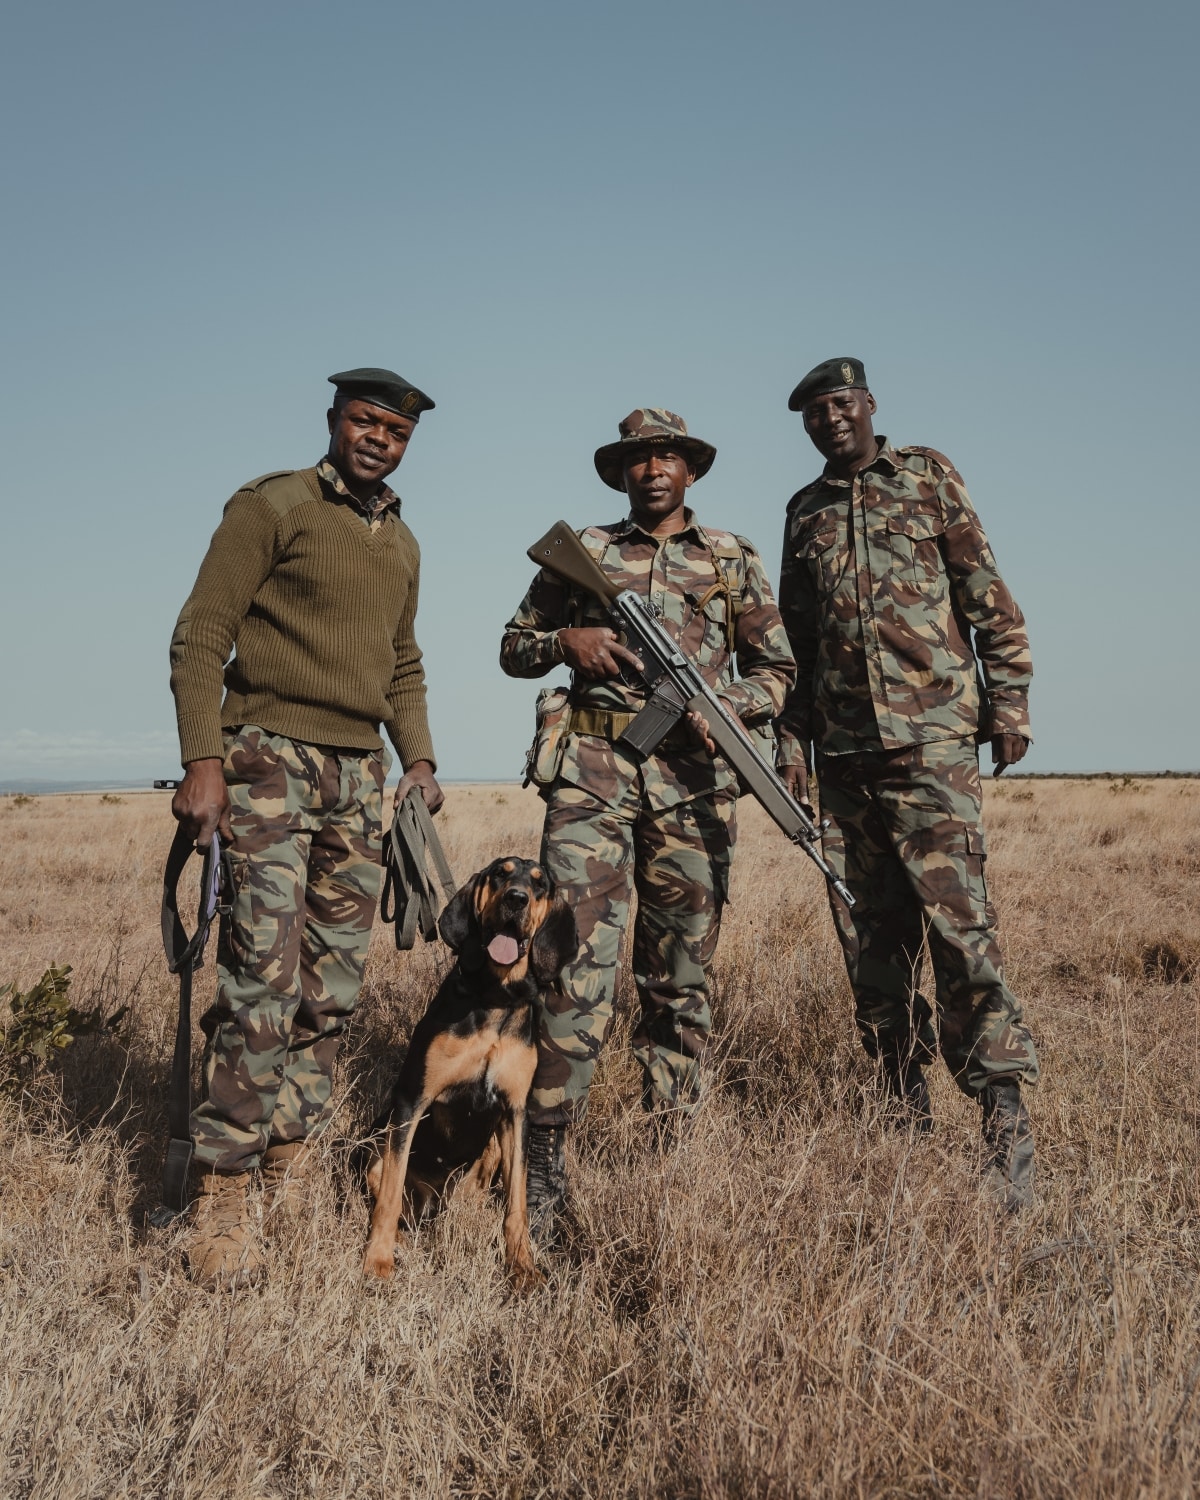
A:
x: 729, y: 564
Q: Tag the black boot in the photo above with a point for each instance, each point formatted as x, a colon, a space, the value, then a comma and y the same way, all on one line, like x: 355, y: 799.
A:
x: 545, y: 1179
x: 908, y: 1090
x: 1008, y: 1144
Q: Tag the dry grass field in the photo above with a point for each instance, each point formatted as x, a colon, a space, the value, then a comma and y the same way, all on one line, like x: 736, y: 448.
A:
x: 791, y: 1301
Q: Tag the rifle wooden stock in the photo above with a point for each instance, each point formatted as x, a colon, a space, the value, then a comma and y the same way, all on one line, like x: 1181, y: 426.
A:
x: 561, y: 552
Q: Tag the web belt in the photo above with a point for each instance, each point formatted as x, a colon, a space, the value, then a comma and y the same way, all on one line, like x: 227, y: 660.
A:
x: 611, y: 724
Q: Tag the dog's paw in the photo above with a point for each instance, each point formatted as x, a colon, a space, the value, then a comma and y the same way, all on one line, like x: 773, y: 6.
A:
x: 378, y: 1265
x: 525, y: 1278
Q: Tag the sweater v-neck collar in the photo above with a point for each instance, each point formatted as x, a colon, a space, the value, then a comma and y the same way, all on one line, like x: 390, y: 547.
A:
x: 369, y: 512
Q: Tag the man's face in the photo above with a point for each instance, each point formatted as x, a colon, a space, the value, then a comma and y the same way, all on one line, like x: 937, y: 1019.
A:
x: 656, y: 479
x: 839, y: 424
x: 366, y: 443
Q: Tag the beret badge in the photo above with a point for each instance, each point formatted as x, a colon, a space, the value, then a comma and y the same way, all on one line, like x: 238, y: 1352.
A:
x: 848, y: 373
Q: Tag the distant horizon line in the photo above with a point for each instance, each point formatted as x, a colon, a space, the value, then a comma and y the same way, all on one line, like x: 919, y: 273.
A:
x: 40, y: 786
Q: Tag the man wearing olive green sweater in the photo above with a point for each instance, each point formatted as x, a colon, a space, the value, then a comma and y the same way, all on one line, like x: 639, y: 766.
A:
x: 311, y: 581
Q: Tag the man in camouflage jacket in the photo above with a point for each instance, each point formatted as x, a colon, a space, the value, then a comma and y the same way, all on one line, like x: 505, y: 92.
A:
x: 664, y: 824
x: 910, y: 651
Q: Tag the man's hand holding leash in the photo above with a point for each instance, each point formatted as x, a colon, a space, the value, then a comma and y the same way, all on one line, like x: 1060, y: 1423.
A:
x: 420, y: 775
x: 201, y: 805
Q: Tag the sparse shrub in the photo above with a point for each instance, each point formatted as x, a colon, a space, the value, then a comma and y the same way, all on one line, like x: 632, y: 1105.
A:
x: 111, y: 800
x: 44, y: 1024
x: 1125, y: 784
x: 21, y: 800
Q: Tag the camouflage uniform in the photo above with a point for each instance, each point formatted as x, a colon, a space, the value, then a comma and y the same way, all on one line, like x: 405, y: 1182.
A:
x: 307, y: 836
x: 307, y: 832
x: 884, y: 578
x: 664, y: 826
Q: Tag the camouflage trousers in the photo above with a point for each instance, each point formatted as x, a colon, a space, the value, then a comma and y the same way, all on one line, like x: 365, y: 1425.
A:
x: 306, y: 862
x: 906, y: 837
x: 678, y: 860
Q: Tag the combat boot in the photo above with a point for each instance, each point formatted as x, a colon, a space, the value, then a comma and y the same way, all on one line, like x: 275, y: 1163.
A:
x: 283, y: 1171
x: 545, y: 1180
x: 908, y: 1092
x: 1008, y: 1144
x: 220, y: 1251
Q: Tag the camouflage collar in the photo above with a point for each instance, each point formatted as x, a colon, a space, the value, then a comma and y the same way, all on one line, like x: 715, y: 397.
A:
x: 623, y: 528
x: 383, y: 500
x: 886, y: 455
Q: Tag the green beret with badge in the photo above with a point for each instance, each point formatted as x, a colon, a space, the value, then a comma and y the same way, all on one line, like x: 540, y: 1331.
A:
x: 382, y: 388
x: 830, y: 375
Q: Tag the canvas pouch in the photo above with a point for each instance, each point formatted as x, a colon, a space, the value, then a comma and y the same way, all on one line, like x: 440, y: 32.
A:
x: 545, y: 756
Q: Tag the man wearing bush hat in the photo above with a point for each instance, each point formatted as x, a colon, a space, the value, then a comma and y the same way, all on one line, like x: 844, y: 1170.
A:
x: 311, y: 582
x: 910, y: 652
x: 665, y: 824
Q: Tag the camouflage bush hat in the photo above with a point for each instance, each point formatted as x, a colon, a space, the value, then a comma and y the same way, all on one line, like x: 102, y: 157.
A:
x: 830, y: 375
x: 651, y: 425
x: 382, y: 388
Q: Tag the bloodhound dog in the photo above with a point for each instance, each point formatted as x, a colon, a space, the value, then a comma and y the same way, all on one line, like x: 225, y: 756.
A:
x: 458, y: 1107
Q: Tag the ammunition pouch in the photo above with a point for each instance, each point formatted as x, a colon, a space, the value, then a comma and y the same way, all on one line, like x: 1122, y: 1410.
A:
x: 545, y: 756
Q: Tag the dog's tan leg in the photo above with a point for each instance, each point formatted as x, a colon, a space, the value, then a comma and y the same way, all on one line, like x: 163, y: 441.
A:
x: 386, y: 1181
x: 450, y: 1060
x: 518, y: 1252
x: 512, y: 1072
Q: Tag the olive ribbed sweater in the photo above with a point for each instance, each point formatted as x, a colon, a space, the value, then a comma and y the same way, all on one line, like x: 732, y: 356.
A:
x: 320, y: 608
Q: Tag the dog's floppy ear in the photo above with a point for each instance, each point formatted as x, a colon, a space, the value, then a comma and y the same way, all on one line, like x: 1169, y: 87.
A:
x: 555, y: 943
x: 458, y: 923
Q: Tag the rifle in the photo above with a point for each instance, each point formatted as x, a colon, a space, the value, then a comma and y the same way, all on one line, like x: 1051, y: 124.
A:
x: 676, y: 687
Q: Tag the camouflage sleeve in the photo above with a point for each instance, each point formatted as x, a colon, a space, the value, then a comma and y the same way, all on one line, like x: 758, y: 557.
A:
x: 801, y: 620
x: 765, y: 667
x: 529, y: 647
x: 983, y: 599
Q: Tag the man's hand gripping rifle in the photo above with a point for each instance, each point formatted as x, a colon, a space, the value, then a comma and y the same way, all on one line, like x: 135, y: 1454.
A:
x: 676, y: 688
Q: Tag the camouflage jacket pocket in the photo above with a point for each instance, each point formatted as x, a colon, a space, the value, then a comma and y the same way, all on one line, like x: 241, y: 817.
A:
x: 815, y: 546
x: 913, y: 541
x: 705, y: 636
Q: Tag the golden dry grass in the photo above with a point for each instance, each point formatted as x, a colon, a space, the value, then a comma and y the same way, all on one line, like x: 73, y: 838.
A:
x: 792, y: 1301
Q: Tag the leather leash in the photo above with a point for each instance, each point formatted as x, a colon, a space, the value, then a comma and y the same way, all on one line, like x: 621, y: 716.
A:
x: 410, y: 902
x: 184, y: 955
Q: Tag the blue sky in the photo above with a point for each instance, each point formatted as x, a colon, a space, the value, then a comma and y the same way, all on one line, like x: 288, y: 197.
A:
x: 546, y: 214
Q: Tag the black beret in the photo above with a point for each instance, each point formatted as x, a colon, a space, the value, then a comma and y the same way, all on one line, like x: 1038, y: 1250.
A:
x: 831, y: 375
x: 382, y: 388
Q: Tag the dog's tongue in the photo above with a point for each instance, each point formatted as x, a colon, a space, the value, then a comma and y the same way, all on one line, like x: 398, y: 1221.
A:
x: 503, y: 949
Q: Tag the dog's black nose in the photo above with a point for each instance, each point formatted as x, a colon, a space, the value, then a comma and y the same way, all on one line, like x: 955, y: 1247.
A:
x: 515, y: 896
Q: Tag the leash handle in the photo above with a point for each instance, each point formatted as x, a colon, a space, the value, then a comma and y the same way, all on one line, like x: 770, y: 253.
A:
x: 184, y: 955
x: 410, y: 902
